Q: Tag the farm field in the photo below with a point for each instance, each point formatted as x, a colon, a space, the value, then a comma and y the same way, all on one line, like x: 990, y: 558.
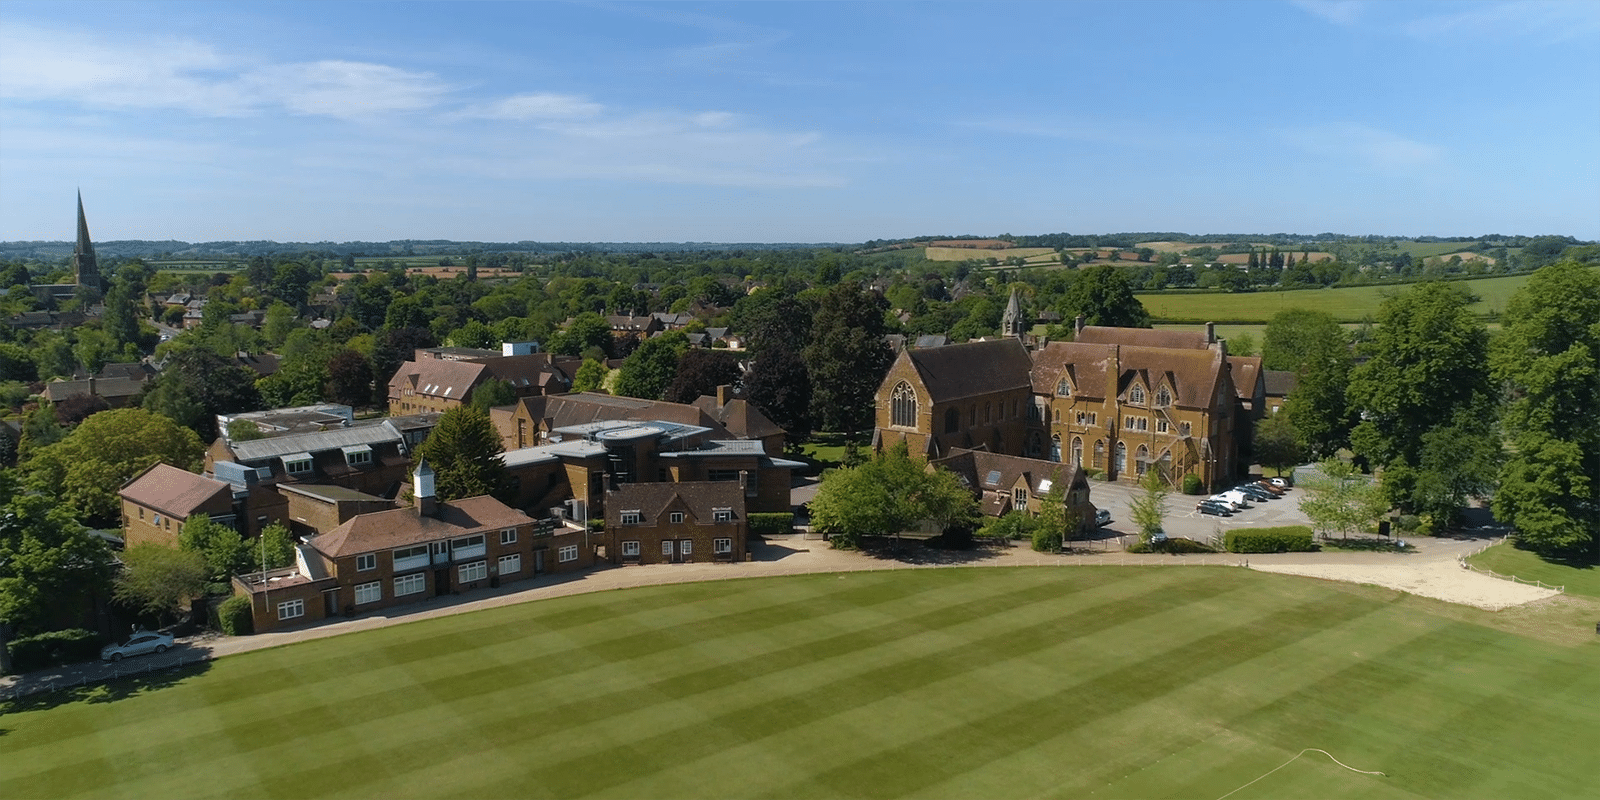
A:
x: 1033, y: 254
x: 1028, y: 682
x: 1508, y: 560
x: 1346, y: 305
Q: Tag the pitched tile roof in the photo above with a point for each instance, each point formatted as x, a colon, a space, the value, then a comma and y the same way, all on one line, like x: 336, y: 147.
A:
x: 1246, y: 371
x: 1281, y: 383
x: 984, y: 471
x: 740, y: 417
x: 1193, y: 374
x: 452, y: 380
x: 173, y: 491
x: 956, y: 371
x: 1142, y: 337
x: 403, y: 527
x: 699, y: 498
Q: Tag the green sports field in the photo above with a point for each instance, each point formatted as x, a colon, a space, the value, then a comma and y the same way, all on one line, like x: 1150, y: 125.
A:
x: 1031, y: 682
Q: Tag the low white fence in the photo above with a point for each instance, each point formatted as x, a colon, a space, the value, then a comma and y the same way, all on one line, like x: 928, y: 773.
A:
x: 92, y: 677
x: 1493, y: 574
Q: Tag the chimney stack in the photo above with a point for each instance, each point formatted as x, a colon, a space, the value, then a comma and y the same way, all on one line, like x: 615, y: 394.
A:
x: 422, y: 489
x: 1211, y: 333
x: 1077, y: 325
x: 724, y: 394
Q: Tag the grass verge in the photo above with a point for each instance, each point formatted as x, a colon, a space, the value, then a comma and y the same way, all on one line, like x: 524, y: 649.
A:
x: 1578, y: 578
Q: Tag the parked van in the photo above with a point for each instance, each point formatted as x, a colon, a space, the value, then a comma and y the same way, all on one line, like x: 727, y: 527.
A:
x: 1235, y: 498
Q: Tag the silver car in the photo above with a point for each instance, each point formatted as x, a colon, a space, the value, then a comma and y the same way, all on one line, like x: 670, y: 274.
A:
x: 140, y: 643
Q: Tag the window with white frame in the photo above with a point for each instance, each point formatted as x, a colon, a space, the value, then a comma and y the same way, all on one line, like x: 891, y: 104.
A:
x: 1161, y: 426
x: 676, y: 517
x: 632, y: 517
x: 722, y: 546
x: 476, y: 571
x: 367, y: 562
x: 369, y: 592
x: 1063, y: 388
x: 467, y: 547
x: 508, y: 536
x: 686, y: 547
x: 1019, y: 497
x: 298, y: 464
x: 568, y: 553
x: 410, y: 558
x: 1136, y: 395
x: 510, y: 565
x: 358, y: 456
x: 290, y: 609
x: 416, y: 583
x: 630, y: 549
x: 721, y: 515
x: 666, y: 547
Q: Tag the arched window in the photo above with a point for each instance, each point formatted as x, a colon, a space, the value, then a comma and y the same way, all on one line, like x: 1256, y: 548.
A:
x: 1163, y: 397
x: 952, y: 421
x: 988, y: 413
x: 1142, y: 461
x: 1058, y: 415
x: 1122, y: 457
x: 1055, y: 447
x: 1077, y: 452
x: 1136, y: 395
x: 904, y: 406
x: 1080, y: 417
x: 1099, y: 455
x: 1063, y: 388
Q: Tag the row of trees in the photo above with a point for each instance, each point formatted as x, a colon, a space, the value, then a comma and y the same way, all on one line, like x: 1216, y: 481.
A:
x: 1446, y: 412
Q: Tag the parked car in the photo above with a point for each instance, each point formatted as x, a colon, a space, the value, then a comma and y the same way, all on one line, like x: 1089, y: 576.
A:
x: 1256, y: 493
x: 1102, y: 517
x: 1282, y: 483
x: 139, y: 644
x: 1214, y: 509
x: 1267, y: 485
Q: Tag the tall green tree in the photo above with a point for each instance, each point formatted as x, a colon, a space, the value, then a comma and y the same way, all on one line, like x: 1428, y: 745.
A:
x: 48, y: 561
x: 1339, y: 499
x: 1427, y: 370
x: 195, y: 386
x: 590, y: 376
x: 1547, y: 358
x: 780, y: 386
x: 225, y: 551
x: 159, y: 580
x: 886, y: 495
x: 1277, y: 443
x: 700, y: 372
x: 847, y: 358
x: 1314, y: 347
x: 465, y: 452
x: 85, y: 469
x: 1104, y: 296
x: 649, y: 371
x: 1149, y: 505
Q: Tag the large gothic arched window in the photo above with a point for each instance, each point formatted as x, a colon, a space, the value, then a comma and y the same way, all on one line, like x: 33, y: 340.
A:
x: 1055, y: 447
x: 1077, y: 452
x: 904, y: 406
x: 1122, y: 457
x: 1163, y: 397
x: 1136, y: 395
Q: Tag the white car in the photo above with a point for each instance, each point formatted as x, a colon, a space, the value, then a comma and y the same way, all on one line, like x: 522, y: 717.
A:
x: 1281, y: 483
x: 141, y: 643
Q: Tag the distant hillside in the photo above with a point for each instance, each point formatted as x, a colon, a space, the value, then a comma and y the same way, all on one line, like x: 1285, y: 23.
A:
x: 51, y: 251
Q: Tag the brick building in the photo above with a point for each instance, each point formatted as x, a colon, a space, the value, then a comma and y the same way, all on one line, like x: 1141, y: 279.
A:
x: 675, y: 523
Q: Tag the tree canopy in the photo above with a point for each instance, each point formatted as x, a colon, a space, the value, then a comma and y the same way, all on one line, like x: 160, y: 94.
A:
x: 1104, y: 296
x: 847, y: 358
x: 87, y: 467
x: 48, y: 561
x: 888, y: 494
x: 465, y: 451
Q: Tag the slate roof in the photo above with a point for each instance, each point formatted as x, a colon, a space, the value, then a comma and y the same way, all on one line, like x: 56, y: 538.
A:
x: 975, y: 467
x: 452, y: 380
x: 1193, y: 374
x: 173, y: 491
x: 956, y: 371
x: 403, y: 527
x: 740, y: 417
x: 566, y: 410
x: 1281, y: 383
x: 1142, y: 337
x: 315, y: 442
x: 699, y: 499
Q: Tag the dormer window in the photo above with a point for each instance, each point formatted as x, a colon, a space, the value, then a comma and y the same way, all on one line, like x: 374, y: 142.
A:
x: 1163, y: 397
x: 632, y: 517
x: 358, y: 456
x: 297, y: 464
x: 1136, y: 395
x: 722, y: 515
x: 1063, y: 388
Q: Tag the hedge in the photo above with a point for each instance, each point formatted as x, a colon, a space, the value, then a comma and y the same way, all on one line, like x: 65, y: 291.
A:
x: 1285, y: 539
x: 1193, y: 485
x: 233, y: 616
x: 771, y: 523
x: 53, y: 649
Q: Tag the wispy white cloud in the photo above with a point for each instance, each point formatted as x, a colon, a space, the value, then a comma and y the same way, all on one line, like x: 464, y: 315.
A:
x: 1363, y: 144
x: 38, y: 64
x: 1339, y: 12
x: 538, y: 105
x: 1559, y: 21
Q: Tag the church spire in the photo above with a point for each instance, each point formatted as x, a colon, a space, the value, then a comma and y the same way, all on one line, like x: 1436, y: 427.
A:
x: 1012, y: 324
x: 85, y: 267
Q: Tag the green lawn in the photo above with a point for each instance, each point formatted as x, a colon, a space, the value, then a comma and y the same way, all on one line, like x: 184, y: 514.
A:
x: 1346, y: 305
x: 1505, y: 559
x: 993, y: 683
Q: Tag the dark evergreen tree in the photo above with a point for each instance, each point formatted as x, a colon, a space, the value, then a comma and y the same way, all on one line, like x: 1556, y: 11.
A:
x: 847, y: 358
x: 465, y: 452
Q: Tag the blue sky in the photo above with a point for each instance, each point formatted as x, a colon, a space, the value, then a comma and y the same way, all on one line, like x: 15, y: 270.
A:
x: 796, y: 122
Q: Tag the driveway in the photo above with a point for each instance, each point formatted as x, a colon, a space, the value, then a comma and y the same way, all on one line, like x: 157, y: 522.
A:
x: 1183, y: 520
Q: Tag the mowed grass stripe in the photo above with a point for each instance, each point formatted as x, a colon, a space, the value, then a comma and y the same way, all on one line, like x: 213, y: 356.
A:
x: 278, y: 720
x: 968, y: 697
x: 642, y: 739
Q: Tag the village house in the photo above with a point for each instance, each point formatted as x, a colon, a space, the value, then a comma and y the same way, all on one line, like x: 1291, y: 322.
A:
x: 156, y: 503
x: 675, y: 523
x: 438, y: 381
x: 1003, y: 483
x: 380, y: 560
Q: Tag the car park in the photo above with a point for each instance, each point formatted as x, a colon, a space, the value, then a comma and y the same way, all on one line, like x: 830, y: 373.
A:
x: 137, y: 645
x: 1214, y: 509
